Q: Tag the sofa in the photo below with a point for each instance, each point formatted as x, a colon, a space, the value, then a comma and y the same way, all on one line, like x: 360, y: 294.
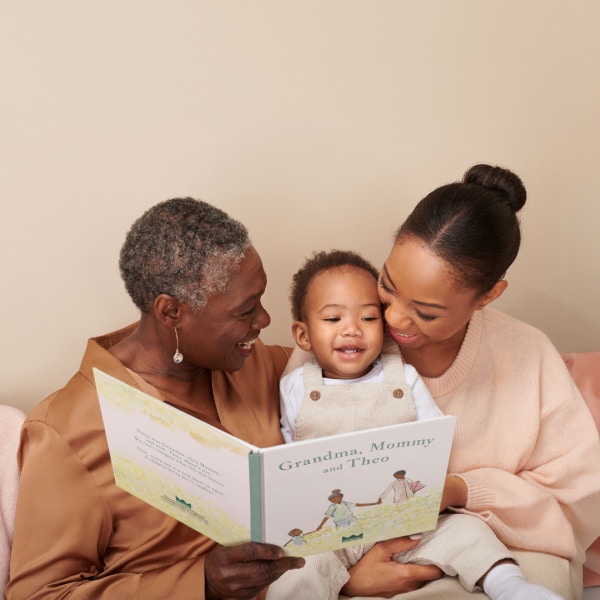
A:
x: 585, y: 370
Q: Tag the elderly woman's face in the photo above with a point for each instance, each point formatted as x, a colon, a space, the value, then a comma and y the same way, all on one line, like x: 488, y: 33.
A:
x: 222, y: 334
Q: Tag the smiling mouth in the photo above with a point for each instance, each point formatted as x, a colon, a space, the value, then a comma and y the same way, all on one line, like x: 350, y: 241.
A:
x: 247, y: 345
x: 350, y: 350
x: 403, y: 336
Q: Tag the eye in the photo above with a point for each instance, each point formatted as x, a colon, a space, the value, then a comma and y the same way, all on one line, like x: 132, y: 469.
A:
x: 331, y: 319
x: 248, y: 313
x: 370, y: 318
x: 383, y: 286
x: 425, y: 317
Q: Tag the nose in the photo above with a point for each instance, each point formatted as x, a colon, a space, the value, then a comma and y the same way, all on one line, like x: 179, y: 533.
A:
x: 396, y: 317
x: 262, y: 318
x: 352, y: 328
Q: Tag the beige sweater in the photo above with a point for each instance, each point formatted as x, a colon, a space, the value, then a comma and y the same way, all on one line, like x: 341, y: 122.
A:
x: 526, y: 444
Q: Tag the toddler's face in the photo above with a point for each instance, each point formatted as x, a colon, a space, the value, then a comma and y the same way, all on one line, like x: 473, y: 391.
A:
x: 344, y: 324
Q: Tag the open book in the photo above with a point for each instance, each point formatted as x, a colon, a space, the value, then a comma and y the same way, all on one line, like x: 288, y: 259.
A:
x: 309, y: 496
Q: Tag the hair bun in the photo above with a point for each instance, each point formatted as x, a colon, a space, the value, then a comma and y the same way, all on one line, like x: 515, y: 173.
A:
x: 500, y: 180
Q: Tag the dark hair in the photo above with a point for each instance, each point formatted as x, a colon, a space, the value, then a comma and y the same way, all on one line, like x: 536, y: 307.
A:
x: 472, y: 225
x: 337, y: 493
x: 182, y: 247
x: 318, y: 263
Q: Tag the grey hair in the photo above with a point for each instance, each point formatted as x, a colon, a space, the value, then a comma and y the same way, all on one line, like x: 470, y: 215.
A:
x: 183, y: 247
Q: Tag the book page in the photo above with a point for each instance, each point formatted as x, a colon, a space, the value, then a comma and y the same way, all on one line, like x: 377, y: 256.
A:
x: 184, y: 467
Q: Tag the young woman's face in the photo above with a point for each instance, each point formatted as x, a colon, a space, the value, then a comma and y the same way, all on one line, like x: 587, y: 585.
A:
x: 343, y: 323
x: 424, y: 304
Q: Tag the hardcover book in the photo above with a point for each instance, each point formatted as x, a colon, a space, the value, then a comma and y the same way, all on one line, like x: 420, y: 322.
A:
x: 308, y: 497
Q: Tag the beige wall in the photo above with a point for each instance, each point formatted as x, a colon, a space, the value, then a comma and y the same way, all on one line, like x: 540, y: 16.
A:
x: 318, y: 123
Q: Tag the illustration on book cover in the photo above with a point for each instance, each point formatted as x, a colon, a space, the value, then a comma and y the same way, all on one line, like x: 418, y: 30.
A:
x: 348, y: 523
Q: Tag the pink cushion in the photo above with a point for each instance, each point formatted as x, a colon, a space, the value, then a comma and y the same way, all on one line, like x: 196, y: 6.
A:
x: 585, y: 370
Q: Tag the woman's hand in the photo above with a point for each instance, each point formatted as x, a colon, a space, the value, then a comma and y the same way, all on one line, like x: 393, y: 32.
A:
x: 378, y: 574
x: 455, y: 493
x: 241, y: 572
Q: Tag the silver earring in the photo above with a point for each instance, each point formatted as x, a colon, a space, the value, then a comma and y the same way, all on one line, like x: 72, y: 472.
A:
x: 177, y: 357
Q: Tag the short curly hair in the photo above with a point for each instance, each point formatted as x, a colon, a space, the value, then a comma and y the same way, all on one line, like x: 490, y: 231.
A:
x: 318, y: 263
x: 183, y: 247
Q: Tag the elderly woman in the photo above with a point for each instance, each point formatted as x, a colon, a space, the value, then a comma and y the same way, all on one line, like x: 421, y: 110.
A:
x: 198, y: 282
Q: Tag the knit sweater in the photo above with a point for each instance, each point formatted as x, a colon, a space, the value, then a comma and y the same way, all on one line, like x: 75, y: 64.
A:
x: 525, y: 442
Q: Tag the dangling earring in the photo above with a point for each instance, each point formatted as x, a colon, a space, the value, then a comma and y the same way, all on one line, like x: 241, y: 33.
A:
x: 177, y: 357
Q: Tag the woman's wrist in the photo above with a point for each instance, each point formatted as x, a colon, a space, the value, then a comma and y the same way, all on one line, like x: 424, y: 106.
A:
x: 455, y: 493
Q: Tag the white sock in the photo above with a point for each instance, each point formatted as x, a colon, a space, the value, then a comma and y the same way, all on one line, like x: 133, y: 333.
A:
x: 507, y: 582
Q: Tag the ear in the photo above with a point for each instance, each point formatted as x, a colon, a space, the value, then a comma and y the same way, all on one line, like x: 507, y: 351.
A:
x: 492, y: 294
x: 300, y: 333
x: 167, y: 310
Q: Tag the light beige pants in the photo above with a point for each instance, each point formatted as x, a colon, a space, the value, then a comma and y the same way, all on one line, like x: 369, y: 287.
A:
x: 462, y: 546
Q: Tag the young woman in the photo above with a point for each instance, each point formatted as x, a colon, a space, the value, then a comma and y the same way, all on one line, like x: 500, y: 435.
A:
x: 526, y: 456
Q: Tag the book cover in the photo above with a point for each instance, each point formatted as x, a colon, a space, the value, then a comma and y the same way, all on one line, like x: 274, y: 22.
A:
x: 308, y: 496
